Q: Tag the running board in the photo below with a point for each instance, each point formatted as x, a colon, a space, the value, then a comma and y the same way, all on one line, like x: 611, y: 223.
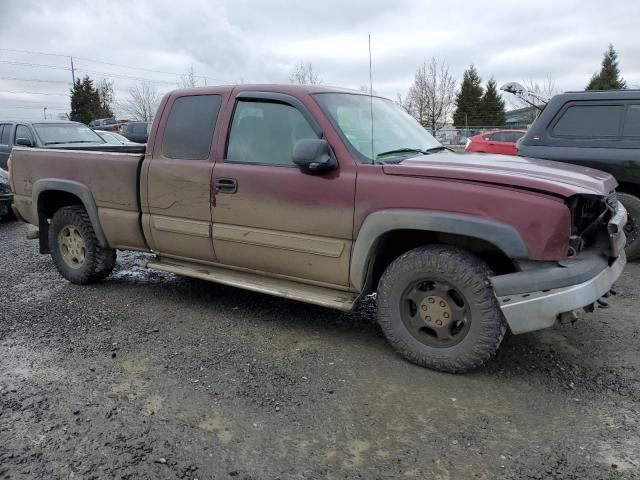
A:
x: 326, y: 297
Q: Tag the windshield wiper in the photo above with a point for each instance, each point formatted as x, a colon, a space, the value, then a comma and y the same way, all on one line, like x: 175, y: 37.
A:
x: 401, y: 150
x: 439, y: 148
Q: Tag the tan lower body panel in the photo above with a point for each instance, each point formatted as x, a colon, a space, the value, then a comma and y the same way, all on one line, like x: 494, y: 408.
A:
x: 179, y: 236
x: 278, y: 287
x: 284, y: 253
x: 121, y: 228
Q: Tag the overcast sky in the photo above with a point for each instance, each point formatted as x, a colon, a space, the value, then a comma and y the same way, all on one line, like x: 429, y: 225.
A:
x: 260, y: 41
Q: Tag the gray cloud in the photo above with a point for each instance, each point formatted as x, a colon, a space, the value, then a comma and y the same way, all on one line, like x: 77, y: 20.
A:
x: 260, y: 41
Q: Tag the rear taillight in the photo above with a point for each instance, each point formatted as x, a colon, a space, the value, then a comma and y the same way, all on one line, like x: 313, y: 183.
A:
x: 467, y: 144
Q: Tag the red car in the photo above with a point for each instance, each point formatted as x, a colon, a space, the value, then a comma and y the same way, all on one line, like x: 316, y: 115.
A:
x: 500, y: 141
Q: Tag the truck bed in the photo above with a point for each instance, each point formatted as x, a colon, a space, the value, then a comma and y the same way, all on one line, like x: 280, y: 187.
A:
x: 111, y: 177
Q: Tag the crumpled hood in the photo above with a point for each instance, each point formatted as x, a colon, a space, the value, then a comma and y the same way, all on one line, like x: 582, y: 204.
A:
x: 529, y: 173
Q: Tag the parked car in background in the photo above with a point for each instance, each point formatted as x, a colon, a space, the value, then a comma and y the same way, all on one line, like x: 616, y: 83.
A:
x: 114, y: 138
x: 137, y: 131
x: 498, y: 141
x: 461, y: 136
x: 59, y: 134
x: 5, y: 194
x: 276, y: 189
x: 597, y: 129
x: 110, y: 124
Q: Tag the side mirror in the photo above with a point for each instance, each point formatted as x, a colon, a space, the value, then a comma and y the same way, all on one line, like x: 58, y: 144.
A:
x: 313, y: 154
x: 25, y: 142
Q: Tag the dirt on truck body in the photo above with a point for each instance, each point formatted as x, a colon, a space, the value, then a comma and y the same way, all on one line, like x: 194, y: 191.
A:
x: 283, y: 190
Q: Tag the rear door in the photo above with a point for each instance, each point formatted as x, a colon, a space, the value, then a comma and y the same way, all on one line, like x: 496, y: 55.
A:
x: 268, y: 215
x: 177, y: 215
x: 499, y: 143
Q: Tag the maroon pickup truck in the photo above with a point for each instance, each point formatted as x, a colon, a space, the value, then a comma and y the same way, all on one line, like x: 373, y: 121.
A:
x: 294, y: 191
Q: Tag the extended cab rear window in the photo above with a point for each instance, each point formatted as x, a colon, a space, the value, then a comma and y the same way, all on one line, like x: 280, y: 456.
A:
x: 189, y: 129
x: 589, y: 121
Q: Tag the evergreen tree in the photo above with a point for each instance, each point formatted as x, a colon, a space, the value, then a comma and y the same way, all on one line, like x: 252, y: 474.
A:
x: 468, y: 100
x: 86, y: 102
x: 492, y: 106
x: 608, y: 78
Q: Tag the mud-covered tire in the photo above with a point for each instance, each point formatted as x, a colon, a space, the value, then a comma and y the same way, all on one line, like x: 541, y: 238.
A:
x: 98, y: 262
x: 632, y: 204
x: 469, y: 277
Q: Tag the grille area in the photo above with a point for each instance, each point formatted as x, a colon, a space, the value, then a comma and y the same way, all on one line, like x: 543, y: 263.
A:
x: 589, y: 216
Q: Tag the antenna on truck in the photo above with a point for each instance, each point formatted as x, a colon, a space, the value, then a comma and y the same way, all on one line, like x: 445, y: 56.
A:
x: 373, y: 159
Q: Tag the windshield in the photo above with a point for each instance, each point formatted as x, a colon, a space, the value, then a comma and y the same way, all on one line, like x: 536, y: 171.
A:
x: 57, y: 133
x: 113, y: 138
x: 396, y: 134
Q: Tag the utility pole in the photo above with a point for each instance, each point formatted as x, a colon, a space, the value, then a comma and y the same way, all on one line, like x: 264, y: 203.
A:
x: 73, y: 71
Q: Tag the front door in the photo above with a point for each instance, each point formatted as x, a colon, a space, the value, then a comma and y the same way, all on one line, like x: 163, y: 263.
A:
x: 177, y: 217
x: 268, y: 215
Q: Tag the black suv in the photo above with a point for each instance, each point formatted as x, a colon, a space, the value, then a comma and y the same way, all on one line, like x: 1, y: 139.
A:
x: 136, y: 131
x: 597, y: 129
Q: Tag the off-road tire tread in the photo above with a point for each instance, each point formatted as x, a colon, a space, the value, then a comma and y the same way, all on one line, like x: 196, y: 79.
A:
x: 632, y: 204
x: 99, y: 261
x: 460, y: 266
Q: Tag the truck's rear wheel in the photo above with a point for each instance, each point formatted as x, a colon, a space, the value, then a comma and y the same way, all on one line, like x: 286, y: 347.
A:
x: 75, y: 249
x: 437, y: 308
x: 632, y: 229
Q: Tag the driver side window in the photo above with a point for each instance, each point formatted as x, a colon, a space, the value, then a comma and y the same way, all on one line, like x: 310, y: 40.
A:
x: 265, y: 133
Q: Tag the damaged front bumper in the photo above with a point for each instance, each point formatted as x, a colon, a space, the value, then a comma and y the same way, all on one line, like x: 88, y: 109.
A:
x: 535, y: 299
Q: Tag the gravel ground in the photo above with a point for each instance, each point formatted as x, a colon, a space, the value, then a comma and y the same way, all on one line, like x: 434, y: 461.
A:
x: 149, y: 375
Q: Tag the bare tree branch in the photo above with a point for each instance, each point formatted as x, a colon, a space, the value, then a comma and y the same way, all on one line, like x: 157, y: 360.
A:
x: 431, y: 97
x: 305, y: 74
x: 142, y: 102
x: 188, y: 80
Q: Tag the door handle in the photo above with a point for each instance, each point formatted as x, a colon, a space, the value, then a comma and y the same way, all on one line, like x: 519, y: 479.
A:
x: 225, y: 185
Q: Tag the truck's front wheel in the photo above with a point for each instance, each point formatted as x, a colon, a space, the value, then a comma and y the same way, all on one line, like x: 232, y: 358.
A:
x: 75, y: 249
x: 436, y: 307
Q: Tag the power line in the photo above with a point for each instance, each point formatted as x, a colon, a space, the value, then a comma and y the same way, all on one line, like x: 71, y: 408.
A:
x: 16, y: 79
x: 35, y: 107
x: 113, y: 64
x: 119, y: 75
x: 39, y: 65
x: 35, y: 93
x: 33, y: 52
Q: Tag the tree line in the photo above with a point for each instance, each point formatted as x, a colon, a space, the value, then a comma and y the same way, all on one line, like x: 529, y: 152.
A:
x: 432, y: 99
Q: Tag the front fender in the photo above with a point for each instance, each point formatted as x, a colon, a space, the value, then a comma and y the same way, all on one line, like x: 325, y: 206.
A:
x: 505, y: 237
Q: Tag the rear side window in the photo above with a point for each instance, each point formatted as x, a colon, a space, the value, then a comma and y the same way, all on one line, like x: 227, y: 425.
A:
x: 5, y: 137
x: 515, y: 136
x: 590, y: 121
x: 138, y: 128
x: 499, y: 137
x: 632, y: 121
x: 189, y: 129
